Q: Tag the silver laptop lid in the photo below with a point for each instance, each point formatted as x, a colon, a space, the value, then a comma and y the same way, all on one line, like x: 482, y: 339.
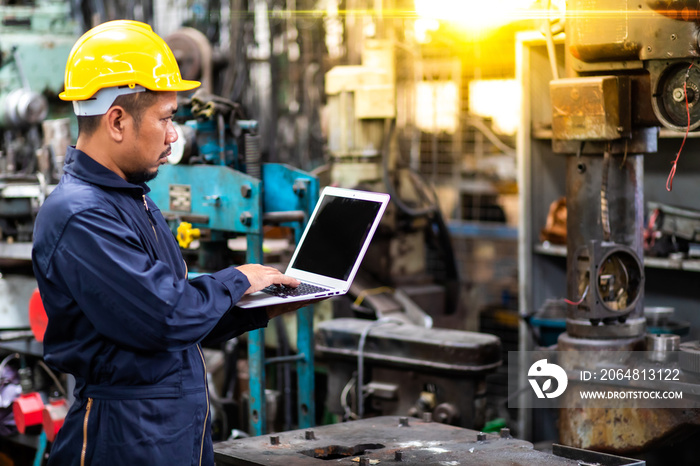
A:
x: 337, y: 236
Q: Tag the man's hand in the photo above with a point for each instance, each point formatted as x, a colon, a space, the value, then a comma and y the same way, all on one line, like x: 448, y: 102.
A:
x: 261, y: 276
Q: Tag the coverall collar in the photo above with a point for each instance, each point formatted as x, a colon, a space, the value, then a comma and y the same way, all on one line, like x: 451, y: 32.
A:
x: 81, y: 165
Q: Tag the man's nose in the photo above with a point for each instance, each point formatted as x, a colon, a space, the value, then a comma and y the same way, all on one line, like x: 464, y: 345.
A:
x: 171, y: 135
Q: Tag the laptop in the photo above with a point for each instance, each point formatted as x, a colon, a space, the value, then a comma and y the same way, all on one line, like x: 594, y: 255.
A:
x: 331, y: 248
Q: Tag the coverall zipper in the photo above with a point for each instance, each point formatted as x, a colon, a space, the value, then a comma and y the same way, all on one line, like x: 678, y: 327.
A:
x: 85, y: 432
x: 206, y: 392
x: 150, y: 217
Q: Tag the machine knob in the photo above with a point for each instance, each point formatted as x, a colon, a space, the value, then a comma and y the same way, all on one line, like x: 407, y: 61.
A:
x: 246, y: 219
x: 186, y: 234
x: 446, y: 413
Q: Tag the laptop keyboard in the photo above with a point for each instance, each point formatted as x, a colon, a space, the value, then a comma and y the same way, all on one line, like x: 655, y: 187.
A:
x: 287, y: 291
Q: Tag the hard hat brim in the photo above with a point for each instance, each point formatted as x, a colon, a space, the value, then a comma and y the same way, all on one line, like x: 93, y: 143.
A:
x: 76, y: 94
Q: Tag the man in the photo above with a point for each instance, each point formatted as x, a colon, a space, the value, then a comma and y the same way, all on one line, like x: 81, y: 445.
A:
x: 123, y: 318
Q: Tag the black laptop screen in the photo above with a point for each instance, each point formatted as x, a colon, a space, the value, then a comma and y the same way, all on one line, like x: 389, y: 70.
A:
x: 336, y: 236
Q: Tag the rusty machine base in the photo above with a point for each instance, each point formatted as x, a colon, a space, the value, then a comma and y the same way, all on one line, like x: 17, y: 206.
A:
x: 400, y: 440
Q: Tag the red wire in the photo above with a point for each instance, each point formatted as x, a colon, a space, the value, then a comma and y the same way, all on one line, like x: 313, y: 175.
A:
x: 648, y: 234
x: 669, y: 180
x: 576, y: 303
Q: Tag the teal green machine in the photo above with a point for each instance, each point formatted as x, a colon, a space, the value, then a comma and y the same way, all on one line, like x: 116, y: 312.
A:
x: 35, y: 40
x: 35, y: 128
x: 219, y: 189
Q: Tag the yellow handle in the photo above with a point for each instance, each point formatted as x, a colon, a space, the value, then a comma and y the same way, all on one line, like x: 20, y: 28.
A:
x: 186, y: 234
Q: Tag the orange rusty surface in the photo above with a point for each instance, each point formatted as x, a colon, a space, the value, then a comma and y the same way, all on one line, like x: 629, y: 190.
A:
x: 623, y: 430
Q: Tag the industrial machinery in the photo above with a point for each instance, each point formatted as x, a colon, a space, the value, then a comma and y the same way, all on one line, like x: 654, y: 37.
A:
x: 35, y: 41
x: 362, y: 102
x: 407, y: 369
x: 629, y: 69
x: 384, y: 357
x: 394, y: 439
x: 622, y: 83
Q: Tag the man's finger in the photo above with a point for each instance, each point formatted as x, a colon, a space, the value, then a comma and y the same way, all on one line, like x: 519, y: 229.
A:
x: 288, y: 281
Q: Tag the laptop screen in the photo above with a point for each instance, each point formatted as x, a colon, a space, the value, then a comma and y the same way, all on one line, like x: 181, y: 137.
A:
x: 336, y: 236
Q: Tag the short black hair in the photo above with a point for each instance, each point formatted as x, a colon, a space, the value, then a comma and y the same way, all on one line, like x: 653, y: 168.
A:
x: 134, y: 104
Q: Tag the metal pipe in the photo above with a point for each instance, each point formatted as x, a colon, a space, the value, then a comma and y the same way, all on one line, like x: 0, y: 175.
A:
x: 281, y: 217
x: 222, y: 140
x: 252, y: 155
x: 285, y: 359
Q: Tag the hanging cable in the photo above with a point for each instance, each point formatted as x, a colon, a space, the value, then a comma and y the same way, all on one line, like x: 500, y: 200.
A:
x: 583, y: 296
x: 50, y: 373
x: 624, y: 157
x: 360, y: 360
x: 604, y: 213
x: 7, y: 359
x: 669, y: 180
x: 344, y: 399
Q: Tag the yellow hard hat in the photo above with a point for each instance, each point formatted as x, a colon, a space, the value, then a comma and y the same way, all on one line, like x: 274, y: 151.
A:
x: 121, y: 53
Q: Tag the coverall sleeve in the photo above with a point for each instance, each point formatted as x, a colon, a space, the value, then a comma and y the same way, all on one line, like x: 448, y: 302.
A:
x: 229, y: 326
x: 134, y: 300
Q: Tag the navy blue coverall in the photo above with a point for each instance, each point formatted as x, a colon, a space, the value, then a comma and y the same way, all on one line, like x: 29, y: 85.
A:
x: 127, y: 323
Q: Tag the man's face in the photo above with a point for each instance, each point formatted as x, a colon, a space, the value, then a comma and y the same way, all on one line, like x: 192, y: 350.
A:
x: 148, y: 144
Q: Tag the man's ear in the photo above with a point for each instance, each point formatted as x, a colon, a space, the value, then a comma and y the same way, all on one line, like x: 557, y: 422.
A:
x: 116, y: 120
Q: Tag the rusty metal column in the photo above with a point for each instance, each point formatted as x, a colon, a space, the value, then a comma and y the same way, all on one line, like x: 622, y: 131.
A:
x: 591, y: 124
x: 605, y: 207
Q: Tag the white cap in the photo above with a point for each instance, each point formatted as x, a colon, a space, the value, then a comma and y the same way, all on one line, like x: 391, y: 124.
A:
x: 103, y: 99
